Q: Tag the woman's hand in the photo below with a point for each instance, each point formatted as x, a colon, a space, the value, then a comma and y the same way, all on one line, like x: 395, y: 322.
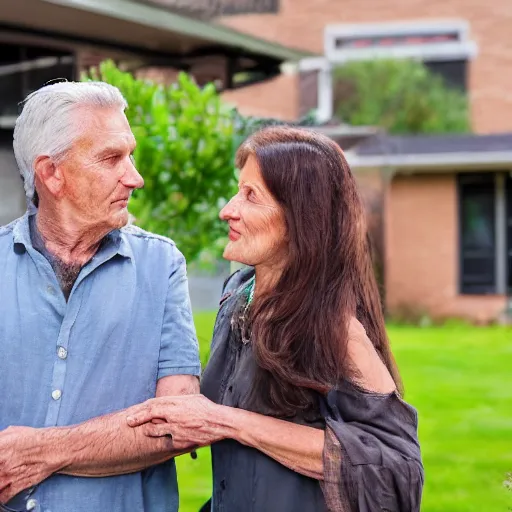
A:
x: 188, y: 419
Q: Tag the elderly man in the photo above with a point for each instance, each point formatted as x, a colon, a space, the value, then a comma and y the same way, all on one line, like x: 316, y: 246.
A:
x: 94, y: 317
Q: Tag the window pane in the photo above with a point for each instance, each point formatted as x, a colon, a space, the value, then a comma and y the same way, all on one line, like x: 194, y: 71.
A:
x: 477, y: 229
x: 453, y: 72
x: 478, y: 220
x: 24, y: 69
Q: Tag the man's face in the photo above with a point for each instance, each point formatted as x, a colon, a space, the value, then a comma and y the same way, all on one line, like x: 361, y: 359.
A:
x: 99, y: 175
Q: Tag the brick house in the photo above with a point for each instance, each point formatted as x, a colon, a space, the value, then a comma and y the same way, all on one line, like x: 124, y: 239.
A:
x: 440, y: 207
x: 444, y: 207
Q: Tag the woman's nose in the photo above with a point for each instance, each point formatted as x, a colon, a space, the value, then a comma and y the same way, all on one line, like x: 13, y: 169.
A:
x: 230, y: 211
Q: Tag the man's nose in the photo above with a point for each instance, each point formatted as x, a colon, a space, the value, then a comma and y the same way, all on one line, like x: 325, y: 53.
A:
x: 132, y: 177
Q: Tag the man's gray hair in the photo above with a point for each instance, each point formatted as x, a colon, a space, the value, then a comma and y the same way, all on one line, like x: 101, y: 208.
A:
x: 47, y: 126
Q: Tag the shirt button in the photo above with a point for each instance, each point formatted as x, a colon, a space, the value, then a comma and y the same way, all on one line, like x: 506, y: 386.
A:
x: 31, y: 504
x: 62, y: 353
x: 56, y: 394
x: 50, y: 290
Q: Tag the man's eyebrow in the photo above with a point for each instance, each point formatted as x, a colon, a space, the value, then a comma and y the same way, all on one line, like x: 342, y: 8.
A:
x: 114, y: 149
x: 106, y: 151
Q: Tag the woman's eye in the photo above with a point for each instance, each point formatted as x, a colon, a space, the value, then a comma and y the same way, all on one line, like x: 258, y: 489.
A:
x: 250, y: 194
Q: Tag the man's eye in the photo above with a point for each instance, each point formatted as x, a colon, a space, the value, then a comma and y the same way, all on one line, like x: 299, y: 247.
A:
x: 251, y: 194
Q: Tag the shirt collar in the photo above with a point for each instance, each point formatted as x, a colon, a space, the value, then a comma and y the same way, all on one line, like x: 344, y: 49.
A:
x: 21, y: 231
x: 116, y: 242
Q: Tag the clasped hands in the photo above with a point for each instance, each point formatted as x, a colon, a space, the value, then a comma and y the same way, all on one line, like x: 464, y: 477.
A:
x: 191, y: 420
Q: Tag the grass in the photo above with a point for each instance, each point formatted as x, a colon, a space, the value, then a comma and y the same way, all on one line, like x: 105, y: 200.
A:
x: 460, y: 380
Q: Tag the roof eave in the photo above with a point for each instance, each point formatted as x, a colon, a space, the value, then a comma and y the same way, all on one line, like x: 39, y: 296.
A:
x: 162, y: 19
x: 436, y: 162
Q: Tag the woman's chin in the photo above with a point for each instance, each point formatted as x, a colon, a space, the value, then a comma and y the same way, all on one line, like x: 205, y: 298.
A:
x: 231, y: 254
x: 228, y: 253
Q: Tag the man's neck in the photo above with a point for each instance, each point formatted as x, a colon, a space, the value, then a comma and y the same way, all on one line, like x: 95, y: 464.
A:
x: 70, y: 241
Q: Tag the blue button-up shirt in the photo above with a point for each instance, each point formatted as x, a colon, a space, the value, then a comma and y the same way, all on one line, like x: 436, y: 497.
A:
x: 127, y: 323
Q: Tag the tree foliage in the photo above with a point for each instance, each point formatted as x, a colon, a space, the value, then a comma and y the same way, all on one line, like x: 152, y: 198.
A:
x: 402, y: 96
x: 185, y: 145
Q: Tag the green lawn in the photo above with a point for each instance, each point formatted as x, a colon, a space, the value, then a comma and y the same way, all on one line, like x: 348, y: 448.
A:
x: 460, y: 380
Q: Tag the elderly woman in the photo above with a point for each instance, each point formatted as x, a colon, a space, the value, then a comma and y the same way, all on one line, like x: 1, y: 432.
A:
x: 301, y: 396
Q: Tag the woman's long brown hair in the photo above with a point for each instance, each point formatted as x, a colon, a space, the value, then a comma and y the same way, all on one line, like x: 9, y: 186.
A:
x: 300, y: 327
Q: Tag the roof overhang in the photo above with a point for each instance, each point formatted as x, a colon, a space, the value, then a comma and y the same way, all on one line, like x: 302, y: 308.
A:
x: 435, y: 162
x: 140, y: 29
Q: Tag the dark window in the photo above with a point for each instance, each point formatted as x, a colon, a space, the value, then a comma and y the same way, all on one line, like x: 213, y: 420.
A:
x: 23, y: 69
x: 454, y: 72
x: 509, y: 233
x: 477, y: 234
x: 415, y: 39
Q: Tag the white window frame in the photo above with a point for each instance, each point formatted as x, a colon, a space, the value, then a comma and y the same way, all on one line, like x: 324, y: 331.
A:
x: 461, y: 49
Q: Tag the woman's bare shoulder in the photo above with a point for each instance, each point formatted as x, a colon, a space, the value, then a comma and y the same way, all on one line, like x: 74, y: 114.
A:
x: 371, y: 372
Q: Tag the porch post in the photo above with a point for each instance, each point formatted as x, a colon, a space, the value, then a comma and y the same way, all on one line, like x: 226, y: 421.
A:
x: 325, y: 95
x: 500, y: 234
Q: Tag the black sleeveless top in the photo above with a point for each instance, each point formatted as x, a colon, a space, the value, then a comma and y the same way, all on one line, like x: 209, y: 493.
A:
x: 245, y: 479
x: 380, y: 432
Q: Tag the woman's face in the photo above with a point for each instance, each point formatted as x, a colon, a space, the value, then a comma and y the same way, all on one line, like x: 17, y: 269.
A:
x: 257, y: 229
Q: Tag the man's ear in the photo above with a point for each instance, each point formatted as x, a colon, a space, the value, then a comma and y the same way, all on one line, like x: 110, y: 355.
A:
x: 49, y: 175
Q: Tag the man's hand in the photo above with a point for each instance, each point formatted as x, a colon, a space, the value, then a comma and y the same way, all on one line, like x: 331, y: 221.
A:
x: 25, y: 460
x: 188, y: 419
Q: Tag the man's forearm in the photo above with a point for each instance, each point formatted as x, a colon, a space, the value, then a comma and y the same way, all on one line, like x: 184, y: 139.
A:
x: 105, y: 446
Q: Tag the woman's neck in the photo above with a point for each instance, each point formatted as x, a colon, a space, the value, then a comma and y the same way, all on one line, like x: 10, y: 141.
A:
x: 267, y: 277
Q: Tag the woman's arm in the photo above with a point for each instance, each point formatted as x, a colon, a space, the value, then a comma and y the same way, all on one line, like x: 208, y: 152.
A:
x: 197, y: 420
x: 297, y: 447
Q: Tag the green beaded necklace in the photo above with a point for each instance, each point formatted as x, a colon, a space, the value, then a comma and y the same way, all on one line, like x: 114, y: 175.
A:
x: 249, y: 290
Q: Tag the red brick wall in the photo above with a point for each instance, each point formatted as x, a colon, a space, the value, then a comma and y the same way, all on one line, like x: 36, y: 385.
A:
x: 421, y: 244
x: 300, y: 24
x: 278, y: 98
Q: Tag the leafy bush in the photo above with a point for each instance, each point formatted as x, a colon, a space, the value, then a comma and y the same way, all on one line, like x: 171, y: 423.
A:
x: 402, y: 96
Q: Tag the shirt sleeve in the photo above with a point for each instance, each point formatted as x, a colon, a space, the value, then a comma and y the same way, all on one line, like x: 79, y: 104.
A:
x: 179, y: 349
x: 372, y: 458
